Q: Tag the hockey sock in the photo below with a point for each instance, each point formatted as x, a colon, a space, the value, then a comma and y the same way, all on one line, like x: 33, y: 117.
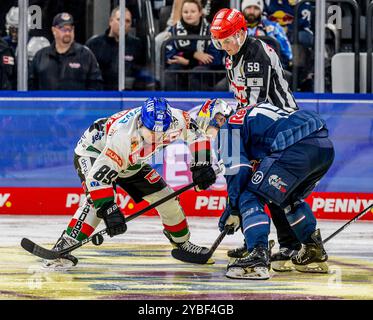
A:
x: 255, y: 222
x: 285, y: 234
x: 178, y: 232
x: 302, y: 221
x: 83, y: 223
x: 256, y: 229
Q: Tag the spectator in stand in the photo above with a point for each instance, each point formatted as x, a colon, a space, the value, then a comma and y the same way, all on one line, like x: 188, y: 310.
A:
x: 65, y: 64
x: 106, y: 49
x: 163, y: 35
x: 191, y: 54
x: 8, y: 73
x: 258, y: 25
x: 282, y: 11
x: 209, y: 9
x: 12, y: 24
x: 11, y: 27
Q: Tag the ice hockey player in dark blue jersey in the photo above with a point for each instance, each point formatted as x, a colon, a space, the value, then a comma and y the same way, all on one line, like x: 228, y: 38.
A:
x: 294, y: 152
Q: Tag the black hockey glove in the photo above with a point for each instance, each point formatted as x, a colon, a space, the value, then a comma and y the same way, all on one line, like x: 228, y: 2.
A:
x: 113, y: 218
x: 203, y: 175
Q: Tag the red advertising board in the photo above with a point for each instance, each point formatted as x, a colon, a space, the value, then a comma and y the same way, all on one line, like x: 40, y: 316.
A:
x: 64, y: 201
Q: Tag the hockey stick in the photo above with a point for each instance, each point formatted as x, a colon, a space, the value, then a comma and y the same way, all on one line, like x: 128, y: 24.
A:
x: 349, y: 222
x: 202, y: 258
x: 97, y: 238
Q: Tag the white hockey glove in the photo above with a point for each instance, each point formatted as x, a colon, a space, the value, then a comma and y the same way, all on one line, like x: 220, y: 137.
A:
x: 230, y: 217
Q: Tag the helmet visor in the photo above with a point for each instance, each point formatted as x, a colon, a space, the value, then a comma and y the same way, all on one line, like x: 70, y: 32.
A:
x: 219, y: 43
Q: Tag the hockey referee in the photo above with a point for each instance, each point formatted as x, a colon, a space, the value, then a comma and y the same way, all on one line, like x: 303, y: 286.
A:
x: 255, y: 75
x: 254, y: 70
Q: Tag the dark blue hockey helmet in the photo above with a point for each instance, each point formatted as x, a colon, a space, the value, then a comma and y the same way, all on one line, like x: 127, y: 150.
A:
x: 156, y: 114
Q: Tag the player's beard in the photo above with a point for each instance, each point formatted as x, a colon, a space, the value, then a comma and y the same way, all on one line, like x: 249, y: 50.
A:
x: 252, y: 20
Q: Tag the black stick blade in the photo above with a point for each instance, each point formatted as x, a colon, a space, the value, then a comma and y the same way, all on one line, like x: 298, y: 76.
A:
x: 201, y: 258
x: 198, y: 258
x: 36, y: 250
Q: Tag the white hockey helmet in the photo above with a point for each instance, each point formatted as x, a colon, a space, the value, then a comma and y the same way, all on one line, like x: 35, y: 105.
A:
x: 210, y: 108
x: 12, y: 18
x: 34, y: 45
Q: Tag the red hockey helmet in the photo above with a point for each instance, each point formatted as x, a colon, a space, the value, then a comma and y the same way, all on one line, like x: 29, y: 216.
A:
x: 227, y: 22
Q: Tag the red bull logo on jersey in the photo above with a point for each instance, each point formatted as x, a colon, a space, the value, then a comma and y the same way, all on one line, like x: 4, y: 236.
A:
x: 277, y: 182
x: 206, y: 109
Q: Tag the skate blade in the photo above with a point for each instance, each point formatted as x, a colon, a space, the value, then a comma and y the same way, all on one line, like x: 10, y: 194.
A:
x: 257, y: 273
x: 282, y: 266
x: 315, y: 267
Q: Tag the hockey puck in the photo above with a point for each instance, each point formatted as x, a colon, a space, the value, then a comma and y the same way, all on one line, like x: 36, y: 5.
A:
x: 97, y: 239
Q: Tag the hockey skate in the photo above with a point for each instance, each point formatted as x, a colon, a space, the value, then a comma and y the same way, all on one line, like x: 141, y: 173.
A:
x: 281, y: 261
x: 312, y: 256
x: 67, y: 261
x: 255, y: 266
x: 240, y: 252
x: 187, y: 251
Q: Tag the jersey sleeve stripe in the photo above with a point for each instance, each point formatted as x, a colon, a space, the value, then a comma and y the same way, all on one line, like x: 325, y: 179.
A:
x: 200, y: 146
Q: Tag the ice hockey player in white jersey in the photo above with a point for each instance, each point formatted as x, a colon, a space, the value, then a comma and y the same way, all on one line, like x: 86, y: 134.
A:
x: 113, y: 152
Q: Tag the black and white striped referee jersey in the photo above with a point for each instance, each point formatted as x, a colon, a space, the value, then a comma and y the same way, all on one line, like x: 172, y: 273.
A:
x: 255, y: 75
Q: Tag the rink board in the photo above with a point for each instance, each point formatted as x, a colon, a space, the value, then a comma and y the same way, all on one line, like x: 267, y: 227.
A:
x: 65, y: 201
x: 40, y: 130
